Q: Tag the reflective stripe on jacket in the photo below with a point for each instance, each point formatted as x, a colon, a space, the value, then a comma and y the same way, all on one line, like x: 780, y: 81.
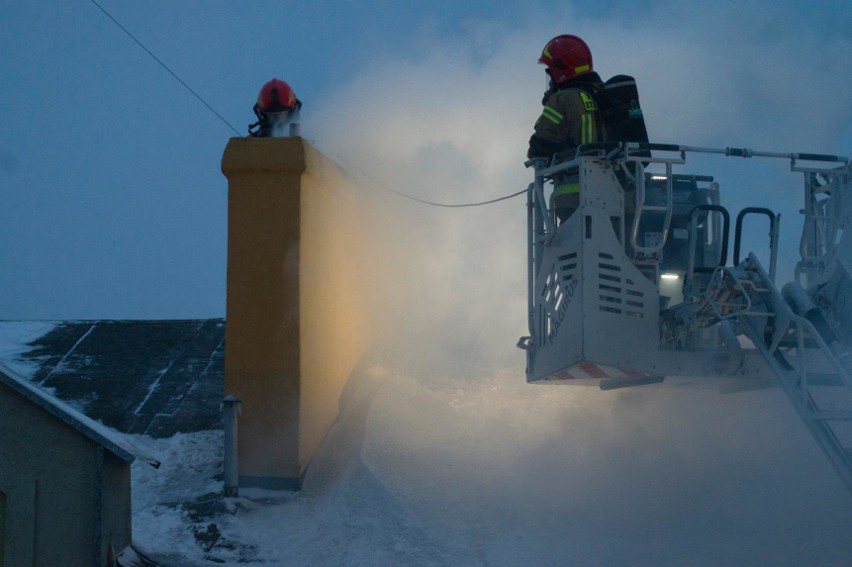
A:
x: 569, y: 118
x: 567, y: 188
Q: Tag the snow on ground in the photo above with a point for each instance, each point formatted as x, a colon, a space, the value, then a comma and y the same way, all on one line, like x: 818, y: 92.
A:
x: 448, y: 460
x: 435, y: 468
x: 189, y: 466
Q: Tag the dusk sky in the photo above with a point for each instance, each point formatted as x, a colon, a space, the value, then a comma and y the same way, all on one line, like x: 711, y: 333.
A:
x: 113, y: 205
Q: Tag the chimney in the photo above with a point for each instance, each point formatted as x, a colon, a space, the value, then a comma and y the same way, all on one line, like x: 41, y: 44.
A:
x: 297, y: 313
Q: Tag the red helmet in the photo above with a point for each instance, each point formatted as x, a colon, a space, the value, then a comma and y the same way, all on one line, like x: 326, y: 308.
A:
x: 566, y: 56
x: 277, y: 96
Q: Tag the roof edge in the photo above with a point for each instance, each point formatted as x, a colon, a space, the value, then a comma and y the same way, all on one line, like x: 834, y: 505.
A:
x: 112, y: 440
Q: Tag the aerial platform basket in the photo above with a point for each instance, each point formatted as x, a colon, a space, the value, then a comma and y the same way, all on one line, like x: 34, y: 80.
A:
x: 619, y: 289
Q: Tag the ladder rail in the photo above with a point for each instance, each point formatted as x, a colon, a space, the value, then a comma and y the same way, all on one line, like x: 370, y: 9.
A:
x: 816, y: 420
x: 689, y: 286
x: 641, y: 207
x: 794, y: 378
x: 774, y: 221
x: 826, y: 211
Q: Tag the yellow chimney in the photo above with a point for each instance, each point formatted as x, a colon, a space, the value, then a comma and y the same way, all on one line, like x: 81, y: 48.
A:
x: 297, y: 314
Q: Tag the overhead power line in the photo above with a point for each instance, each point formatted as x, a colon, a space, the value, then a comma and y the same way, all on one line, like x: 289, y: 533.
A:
x: 455, y: 206
x: 228, y: 124
x: 432, y: 203
x: 166, y: 67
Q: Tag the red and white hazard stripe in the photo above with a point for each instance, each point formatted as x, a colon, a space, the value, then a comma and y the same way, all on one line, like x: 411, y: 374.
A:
x: 590, y: 370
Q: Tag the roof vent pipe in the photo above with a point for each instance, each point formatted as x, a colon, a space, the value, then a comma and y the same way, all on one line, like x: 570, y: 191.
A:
x: 230, y: 412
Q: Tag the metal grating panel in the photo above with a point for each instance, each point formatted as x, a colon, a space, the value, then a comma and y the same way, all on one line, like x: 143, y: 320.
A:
x: 558, y: 288
x: 617, y: 294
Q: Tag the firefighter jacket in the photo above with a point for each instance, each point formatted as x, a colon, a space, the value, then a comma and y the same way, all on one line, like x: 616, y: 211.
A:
x: 570, y: 118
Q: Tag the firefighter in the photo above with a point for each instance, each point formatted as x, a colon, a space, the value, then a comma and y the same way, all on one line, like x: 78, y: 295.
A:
x: 277, y: 111
x: 570, y: 117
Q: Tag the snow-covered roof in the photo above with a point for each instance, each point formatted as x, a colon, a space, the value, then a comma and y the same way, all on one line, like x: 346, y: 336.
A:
x: 108, y: 438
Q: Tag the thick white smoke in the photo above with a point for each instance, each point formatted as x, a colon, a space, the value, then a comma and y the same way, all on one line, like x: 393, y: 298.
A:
x: 657, y: 475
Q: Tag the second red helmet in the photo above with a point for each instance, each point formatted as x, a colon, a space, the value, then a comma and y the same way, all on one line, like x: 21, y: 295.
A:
x: 277, y: 96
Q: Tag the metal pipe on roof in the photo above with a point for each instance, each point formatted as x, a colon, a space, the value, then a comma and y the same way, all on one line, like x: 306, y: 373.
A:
x: 230, y: 413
